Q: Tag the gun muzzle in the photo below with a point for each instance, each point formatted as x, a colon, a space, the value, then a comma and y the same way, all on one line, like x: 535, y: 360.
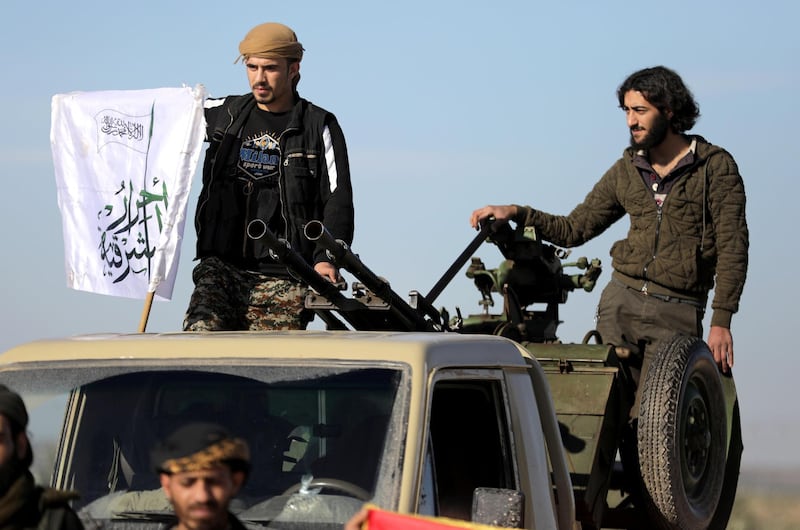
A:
x: 336, y: 248
x: 281, y: 251
x: 341, y: 255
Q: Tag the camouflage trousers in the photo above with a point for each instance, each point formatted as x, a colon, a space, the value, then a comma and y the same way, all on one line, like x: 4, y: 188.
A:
x: 226, y: 298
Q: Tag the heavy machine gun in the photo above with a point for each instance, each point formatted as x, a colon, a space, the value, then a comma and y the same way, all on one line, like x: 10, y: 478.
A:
x: 374, y: 306
x: 531, y: 273
x: 689, y: 412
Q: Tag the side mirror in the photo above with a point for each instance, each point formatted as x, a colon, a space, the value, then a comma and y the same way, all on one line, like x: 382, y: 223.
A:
x: 498, y: 507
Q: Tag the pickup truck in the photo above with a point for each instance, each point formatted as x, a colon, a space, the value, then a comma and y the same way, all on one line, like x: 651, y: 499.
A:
x: 412, y: 422
x: 488, y: 418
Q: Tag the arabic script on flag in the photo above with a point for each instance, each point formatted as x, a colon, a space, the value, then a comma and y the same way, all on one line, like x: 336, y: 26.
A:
x: 124, y: 163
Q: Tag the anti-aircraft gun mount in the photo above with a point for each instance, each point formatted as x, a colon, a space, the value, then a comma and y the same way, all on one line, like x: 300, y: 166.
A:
x: 678, y: 469
x: 532, y: 273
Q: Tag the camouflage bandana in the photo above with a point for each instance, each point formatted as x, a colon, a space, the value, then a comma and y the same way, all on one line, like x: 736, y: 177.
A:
x: 199, y: 446
x: 210, y: 457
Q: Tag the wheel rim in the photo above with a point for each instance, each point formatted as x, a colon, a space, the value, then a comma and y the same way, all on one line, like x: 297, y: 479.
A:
x: 697, y: 436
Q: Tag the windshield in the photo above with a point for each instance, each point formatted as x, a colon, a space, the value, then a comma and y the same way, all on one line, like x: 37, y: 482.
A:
x: 318, y: 435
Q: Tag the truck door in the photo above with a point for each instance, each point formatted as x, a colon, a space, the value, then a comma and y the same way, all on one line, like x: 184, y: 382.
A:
x: 468, y: 442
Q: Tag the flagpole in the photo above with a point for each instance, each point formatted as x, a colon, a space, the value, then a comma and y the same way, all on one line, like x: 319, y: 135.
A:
x: 148, y: 303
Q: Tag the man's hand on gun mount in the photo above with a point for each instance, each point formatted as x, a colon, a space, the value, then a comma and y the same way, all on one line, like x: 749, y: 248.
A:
x: 501, y: 214
x: 327, y: 271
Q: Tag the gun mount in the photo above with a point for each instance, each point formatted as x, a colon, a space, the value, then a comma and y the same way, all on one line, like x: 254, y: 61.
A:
x: 531, y: 273
x: 374, y: 306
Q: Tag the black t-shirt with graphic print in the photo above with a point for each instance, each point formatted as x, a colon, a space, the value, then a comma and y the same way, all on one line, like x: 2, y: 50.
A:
x: 258, y: 168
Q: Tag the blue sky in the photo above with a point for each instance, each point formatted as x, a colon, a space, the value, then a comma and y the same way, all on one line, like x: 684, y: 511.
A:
x: 446, y: 106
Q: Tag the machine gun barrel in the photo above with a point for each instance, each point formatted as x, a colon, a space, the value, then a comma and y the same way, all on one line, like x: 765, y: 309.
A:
x: 281, y: 250
x: 410, y: 318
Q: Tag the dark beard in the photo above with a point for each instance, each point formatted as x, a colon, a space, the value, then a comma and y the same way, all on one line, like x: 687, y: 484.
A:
x: 10, y: 472
x: 656, y: 135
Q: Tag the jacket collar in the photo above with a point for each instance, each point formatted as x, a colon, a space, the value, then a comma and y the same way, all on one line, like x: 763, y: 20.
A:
x: 242, y: 105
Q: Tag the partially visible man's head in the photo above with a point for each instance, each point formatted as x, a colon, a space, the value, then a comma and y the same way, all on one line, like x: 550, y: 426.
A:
x: 666, y: 91
x: 202, y: 468
x: 16, y: 454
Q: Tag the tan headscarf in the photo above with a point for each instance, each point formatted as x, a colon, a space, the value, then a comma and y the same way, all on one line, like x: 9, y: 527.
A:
x: 270, y: 40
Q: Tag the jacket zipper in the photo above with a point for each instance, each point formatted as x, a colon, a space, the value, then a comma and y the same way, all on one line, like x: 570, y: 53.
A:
x: 655, y: 243
x: 248, y: 191
x: 281, y: 177
x: 659, y: 216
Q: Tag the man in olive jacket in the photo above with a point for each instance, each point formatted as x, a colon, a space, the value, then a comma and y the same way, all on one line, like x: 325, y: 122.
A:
x: 688, y: 231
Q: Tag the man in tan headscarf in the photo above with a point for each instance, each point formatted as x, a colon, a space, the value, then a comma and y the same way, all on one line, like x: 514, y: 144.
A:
x: 273, y: 41
x: 275, y: 161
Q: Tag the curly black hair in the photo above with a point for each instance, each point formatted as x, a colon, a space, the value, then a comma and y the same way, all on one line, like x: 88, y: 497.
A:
x: 665, y: 90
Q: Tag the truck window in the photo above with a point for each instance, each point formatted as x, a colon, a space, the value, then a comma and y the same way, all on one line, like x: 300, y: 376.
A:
x: 469, y: 444
x: 301, y: 422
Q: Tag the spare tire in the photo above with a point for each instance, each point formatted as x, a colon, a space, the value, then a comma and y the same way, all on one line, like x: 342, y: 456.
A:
x: 682, y: 435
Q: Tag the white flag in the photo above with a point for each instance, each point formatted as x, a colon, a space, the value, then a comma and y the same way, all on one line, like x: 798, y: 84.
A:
x: 124, y: 162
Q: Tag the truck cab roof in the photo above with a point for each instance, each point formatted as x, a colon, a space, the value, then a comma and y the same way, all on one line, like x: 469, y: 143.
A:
x: 433, y: 349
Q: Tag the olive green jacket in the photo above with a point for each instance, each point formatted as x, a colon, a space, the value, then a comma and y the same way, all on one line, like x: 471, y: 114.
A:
x: 697, y: 236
